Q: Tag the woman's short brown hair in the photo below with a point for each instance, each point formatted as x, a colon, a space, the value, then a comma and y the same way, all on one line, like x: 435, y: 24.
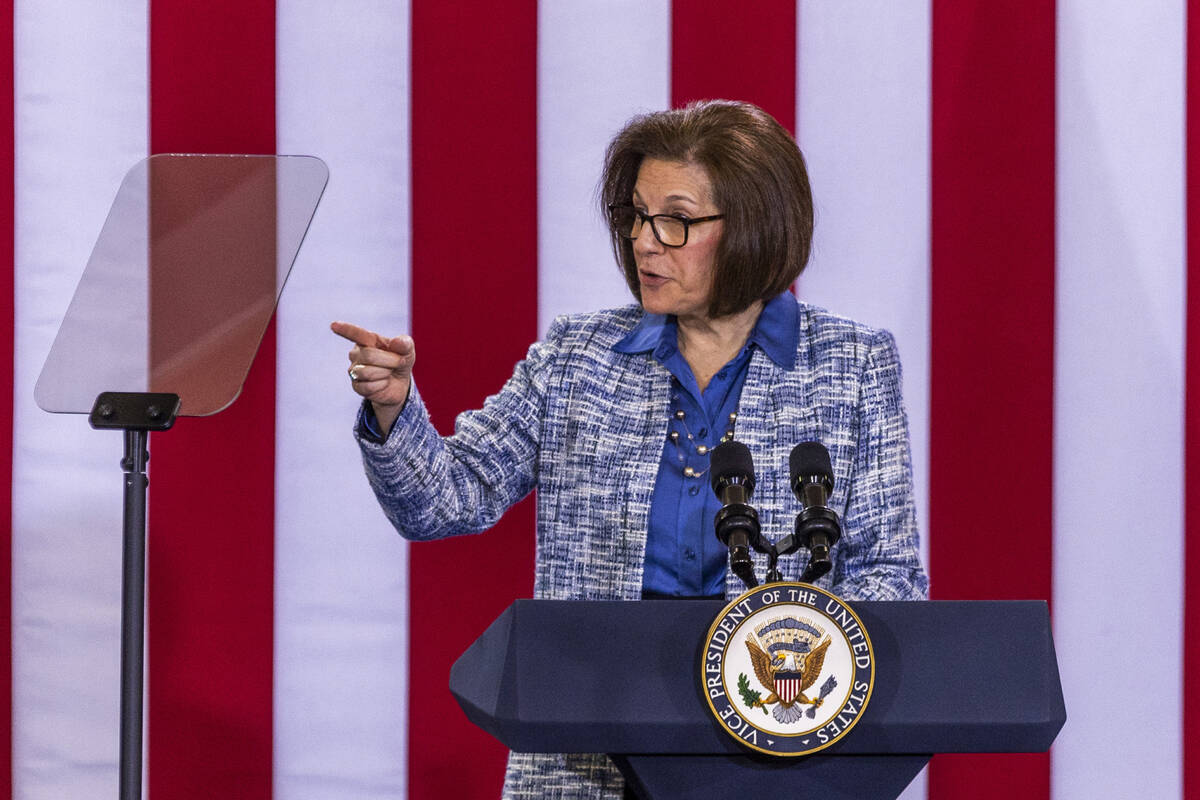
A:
x: 759, y: 183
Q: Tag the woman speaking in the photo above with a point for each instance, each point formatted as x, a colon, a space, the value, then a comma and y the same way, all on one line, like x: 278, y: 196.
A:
x: 613, y: 416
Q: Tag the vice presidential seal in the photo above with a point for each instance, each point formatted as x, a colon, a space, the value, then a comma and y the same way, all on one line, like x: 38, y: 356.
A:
x: 787, y: 669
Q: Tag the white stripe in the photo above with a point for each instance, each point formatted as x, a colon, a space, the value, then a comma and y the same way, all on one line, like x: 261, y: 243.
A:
x: 863, y: 124
x: 862, y: 120
x: 81, y: 114
x: 598, y: 65
x: 1118, y: 528
x: 341, y: 592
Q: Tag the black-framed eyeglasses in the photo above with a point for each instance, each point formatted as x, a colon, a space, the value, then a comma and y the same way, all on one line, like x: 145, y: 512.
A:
x: 669, y: 229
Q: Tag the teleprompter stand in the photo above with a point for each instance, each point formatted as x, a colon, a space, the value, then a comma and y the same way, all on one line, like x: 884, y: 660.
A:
x: 135, y: 413
x: 623, y: 678
x: 165, y: 322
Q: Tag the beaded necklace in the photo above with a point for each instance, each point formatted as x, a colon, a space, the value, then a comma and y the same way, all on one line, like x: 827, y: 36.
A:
x: 701, y: 449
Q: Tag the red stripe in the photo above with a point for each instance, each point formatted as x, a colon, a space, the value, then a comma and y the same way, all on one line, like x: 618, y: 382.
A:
x: 211, y: 522
x: 474, y: 311
x: 736, y: 52
x: 7, y: 320
x: 992, y: 324
x: 1191, y: 615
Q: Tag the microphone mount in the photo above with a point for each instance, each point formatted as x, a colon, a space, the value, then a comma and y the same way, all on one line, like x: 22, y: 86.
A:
x: 817, y: 529
x: 737, y: 527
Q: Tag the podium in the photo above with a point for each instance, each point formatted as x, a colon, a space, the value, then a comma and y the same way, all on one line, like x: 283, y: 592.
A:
x: 623, y: 678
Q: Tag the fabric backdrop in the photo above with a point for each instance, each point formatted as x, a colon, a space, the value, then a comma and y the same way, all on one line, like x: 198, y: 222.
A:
x: 1001, y: 184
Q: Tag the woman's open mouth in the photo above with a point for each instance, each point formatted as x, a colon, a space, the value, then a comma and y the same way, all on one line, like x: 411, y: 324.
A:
x: 651, y: 279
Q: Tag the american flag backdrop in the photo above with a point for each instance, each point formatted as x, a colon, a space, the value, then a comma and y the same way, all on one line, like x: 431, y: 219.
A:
x: 1001, y: 184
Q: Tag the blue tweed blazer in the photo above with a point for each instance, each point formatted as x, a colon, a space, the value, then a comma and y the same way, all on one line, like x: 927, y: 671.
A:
x: 585, y: 426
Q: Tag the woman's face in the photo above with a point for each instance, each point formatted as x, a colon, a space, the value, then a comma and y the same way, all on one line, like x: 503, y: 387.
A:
x: 676, y: 280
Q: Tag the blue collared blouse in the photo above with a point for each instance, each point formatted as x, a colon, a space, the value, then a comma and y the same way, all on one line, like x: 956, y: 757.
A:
x: 683, y: 555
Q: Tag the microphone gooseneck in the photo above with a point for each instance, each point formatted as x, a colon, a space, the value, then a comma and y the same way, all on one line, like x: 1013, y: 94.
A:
x: 732, y: 476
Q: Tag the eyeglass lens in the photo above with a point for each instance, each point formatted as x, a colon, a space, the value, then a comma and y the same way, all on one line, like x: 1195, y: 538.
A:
x: 667, y: 229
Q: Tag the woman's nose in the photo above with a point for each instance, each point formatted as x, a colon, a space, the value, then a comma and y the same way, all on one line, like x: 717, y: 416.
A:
x: 646, y: 242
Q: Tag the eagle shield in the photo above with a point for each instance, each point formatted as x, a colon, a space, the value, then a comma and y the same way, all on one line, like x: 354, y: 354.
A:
x: 787, y: 686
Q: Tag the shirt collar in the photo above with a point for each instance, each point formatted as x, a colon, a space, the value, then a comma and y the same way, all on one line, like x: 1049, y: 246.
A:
x: 645, y: 336
x: 776, y: 332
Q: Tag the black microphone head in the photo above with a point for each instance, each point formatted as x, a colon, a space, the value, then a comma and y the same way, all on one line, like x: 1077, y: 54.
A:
x: 731, y: 463
x: 809, y: 460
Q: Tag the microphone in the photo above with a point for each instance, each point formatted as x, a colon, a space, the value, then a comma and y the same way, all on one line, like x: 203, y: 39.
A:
x: 732, y: 476
x: 817, y: 525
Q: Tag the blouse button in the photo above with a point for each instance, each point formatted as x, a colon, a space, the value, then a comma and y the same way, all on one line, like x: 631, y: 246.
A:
x: 695, y: 490
x: 689, y: 554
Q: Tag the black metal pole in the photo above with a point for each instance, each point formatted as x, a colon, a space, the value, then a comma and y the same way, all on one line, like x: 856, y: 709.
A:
x: 133, y: 616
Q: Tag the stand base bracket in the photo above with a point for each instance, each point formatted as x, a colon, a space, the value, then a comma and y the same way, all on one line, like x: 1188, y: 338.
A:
x: 137, y: 411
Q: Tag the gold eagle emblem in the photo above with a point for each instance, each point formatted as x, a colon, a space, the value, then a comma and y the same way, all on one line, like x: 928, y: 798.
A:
x: 788, y: 655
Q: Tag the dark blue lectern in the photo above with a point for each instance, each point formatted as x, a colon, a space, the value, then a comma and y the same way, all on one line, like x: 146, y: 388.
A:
x: 621, y: 678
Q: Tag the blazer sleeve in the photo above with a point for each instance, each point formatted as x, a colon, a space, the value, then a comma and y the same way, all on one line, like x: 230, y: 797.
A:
x: 878, y: 558
x: 431, y: 487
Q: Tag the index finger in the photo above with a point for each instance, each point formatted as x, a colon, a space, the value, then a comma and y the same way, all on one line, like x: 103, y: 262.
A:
x: 360, y: 336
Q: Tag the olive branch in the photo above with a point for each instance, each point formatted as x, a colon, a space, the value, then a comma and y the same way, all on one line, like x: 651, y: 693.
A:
x: 750, y: 697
